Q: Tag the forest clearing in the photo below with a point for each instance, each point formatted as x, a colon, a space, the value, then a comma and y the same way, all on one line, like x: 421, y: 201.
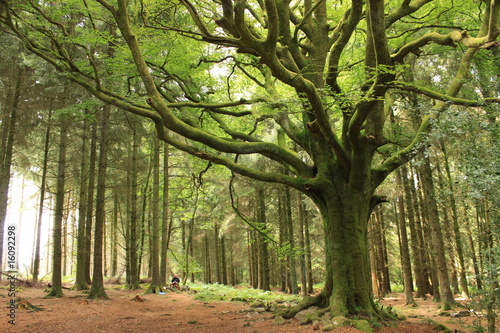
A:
x: 176, y: 312
x: 339, y: 152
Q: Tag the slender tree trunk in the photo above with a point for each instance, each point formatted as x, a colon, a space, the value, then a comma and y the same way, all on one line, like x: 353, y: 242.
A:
x: 166, y: 226
x: 223, y: 259
x: 64, y: 235
x: 97, y: 287
x: 208, y: 269
x: 373, y: 261
x: 218, y: 275
x: 80, y: 281
x: 381, y: 265
x: 424, y: 232
x: 264, y: 271
x: 43, y: 186
x: 294, y: 289
x: 310, y: 281
x: 156, y: 284
x: 475, y: 263
x: 133, y: 260
x: 417, y: 243
x: 302, y: 245
x: 456, y: 226
x: 114, y: 238
x: 89, y: 204
x: 446, y: 294
x: 13, y: 100
x: 283, y: 230
x: 189, y: 241
x: 56, y: 289
x: 253, y: 259
x: 404, y: 248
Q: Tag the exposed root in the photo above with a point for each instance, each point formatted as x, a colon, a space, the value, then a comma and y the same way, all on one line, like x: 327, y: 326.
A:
x: 24, y: 304
x: 319, y: 300
x: 154, y: 289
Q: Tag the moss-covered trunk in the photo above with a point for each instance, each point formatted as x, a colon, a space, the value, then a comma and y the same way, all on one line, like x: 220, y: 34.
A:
x: 348, y: 285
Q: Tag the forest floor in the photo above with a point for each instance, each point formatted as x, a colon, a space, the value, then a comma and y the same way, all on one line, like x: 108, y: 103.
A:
x: 176, y: 312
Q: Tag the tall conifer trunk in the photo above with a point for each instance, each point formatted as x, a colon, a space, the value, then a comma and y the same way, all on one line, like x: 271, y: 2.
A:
x: 43, y: 185
x: 80, y: 281
x: 156, y: 284
x: 97, y: 287
x: 6, y: 150
x: 56, y: 289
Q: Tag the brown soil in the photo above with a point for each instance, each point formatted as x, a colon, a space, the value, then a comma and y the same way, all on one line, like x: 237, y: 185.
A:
x: 178, y: 312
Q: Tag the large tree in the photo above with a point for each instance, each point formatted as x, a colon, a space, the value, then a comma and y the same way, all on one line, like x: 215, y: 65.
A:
x: 327, y: 74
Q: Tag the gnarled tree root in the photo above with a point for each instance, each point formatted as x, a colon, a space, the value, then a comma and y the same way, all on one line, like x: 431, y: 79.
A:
x: 362, y: 320
x: 307, y: 302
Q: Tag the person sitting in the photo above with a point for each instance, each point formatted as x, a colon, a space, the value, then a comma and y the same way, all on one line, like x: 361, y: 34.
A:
x: 176, y: 281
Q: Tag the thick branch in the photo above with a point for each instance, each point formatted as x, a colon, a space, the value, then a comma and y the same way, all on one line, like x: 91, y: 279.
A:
x: 345, y: 29
x: 216, y: 106
x: 444, y: 97
x: 407, y: 7
x: 450, y: 39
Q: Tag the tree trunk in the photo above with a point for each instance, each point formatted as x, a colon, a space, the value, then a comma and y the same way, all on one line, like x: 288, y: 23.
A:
x: 404, y: 248
x: 302, y: 245
x: 417, y: 242
x: 97, y: 287
x: 56, y: 289
x: 310, y: 281
x: 252, y: 259
x: 218, y: 276
x: 438, y: 252
x: 380, y: 265
x: 166, y: 222
x: 456, y: 227
x: 264, y: 271
x: 114, y: 238
x: 80, y: 281
x: 291, y: 240
x: 348, y: 288
x: 189, y: 240
x: 207, y: 269
x: 156, y: 284
x: 13, y: 100
x: 133, y: 216
x: 43, y: 186
x: 223, y: 259
x: 89, y: 217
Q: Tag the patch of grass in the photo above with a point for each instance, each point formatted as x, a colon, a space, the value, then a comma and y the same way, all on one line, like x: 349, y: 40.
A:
x: 218, y: 292
x: 397, y: 288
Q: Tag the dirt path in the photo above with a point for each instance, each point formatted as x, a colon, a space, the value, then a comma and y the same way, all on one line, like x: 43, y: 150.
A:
x: 172, y: 312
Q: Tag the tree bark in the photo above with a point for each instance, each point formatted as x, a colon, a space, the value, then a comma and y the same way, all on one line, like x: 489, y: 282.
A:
x: 156, y: 283
x: 97, y: 286
x: 447, y: 300
x: 43, y: 186
x: 13, y: 101
x: 56, y: 289
x: 80, y: 281
x: 310, y: 281
x: 264, y: 270
x: 166, y: 221
x: 294, y: 289
x: 133, y: 216
x: 404, y: 248
x: 89, y: 204
x: 456, y: 226
x: 302, y: 244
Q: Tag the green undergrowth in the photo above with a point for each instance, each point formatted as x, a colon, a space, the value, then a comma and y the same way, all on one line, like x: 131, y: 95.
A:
x: 218, y: 292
